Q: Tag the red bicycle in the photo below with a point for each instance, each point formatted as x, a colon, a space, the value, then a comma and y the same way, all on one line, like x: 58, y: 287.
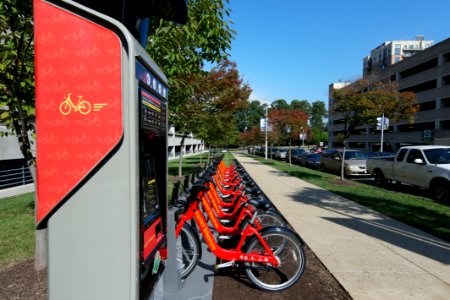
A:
x: 272, y: 257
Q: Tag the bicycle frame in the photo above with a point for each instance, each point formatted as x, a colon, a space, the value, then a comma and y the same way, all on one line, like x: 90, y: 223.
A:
x: 238, y: 194
x: 235, y: 230
x: 215, y: 202
x: 236, y: 254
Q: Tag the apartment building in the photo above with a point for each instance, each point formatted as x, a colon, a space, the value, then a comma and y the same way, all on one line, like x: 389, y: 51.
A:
x: 427, y: 73
x: 392, y: 52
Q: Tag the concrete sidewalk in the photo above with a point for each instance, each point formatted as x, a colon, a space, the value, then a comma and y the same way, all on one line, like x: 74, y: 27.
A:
x: 18, y: 190
x: 371, y: 255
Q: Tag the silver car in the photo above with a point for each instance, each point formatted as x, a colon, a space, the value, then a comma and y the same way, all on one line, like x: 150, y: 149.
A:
x: 280, y: 153
x: 354, y: 163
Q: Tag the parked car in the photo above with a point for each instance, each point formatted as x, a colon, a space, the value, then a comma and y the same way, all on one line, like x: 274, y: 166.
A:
x: 354, y: 163
x: 296, y: 155
x: 311, y: 160
x: 271, y: 152
x: 423, y: 166
x: 316, y: 150
x: 379, y: 154
x: 280, y: 153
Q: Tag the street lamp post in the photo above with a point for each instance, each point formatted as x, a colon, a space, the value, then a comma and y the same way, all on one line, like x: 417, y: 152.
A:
x: 302, y: 136
x: 288, y: 130
x: 267, y: 125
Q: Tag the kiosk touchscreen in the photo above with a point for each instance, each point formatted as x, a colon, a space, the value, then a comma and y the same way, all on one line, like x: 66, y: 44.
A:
x: 101, y: 119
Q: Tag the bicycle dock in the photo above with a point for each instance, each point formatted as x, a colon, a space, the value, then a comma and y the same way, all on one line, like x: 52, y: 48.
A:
x: 102, y: 171
x: 102, y: 160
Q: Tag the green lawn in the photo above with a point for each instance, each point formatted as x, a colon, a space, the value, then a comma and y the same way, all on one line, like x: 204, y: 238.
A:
x: 17, y: 229
x: 419, y: 212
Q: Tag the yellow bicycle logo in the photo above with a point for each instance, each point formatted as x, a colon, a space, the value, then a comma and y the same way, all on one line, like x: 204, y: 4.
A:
x: 83, y: 106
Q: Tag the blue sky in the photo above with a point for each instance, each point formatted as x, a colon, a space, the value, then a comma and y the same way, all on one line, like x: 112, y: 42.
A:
x: 293, y: 49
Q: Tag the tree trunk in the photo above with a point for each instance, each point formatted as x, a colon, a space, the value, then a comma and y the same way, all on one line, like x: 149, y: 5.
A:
x: 343, y: 162
x: 180, y: 161
x: 41, y: 247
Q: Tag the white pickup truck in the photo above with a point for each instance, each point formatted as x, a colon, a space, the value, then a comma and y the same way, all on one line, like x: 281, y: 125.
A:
x: 423, y: 166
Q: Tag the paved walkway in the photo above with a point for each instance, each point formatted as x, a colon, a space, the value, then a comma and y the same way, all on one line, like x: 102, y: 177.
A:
x: 18, y: 190
x: 371, y: 255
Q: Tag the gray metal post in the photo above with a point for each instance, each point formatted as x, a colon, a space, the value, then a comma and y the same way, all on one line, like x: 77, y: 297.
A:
x: 172, y: 278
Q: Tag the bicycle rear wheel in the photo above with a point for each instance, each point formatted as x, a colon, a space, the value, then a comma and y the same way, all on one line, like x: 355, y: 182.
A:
x: 287, y: 248
x: 188, y: 250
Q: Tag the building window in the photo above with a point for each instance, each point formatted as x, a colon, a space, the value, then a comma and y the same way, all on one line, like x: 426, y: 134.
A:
x: 397, y: 49
x: 445, y: 102
x: 430, y: 105
x: 446, y: 80
x: 397, y: 59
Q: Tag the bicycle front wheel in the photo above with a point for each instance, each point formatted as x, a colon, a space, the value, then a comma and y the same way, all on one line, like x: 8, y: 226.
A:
x: 270, y: 218
x: 188, y: 250
x: 287, y: 248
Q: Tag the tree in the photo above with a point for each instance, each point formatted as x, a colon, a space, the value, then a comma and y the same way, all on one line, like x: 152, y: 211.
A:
x: 253, y: 136
x: 17, y: 110
x: 181, y: 51
x: 17, y: 74
x: 280, y: 104
x: 255, y: 112
x: 281, y: 119
x: 302, y: 105
x: 364, y: 100
x: 317, y: 113
x: 221, y: 93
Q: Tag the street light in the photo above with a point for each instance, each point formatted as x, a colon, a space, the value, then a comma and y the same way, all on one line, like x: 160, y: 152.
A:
x: 266, y: 127
x: 288, y: 130
x: 302, y: 136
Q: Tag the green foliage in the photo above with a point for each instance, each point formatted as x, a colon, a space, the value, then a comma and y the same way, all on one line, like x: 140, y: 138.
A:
x: 17, y: 110
x: 254, y: 113
x: 181, y: 51
x: 318, y: 130
x: 302, y: 105
x: 364, y: 100
x: 209, y: 112
x: 280, y: 104
x: 317, y: 113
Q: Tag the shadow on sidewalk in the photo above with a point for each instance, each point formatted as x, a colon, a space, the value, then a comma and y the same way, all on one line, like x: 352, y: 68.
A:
x: 367, y: 221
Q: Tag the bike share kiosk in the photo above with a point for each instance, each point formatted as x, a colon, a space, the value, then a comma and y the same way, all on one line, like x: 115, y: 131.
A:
x: 101, y: 118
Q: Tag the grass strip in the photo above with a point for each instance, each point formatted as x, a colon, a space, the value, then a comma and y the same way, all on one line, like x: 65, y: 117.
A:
x: 420, y: 212
x: 17, y: 229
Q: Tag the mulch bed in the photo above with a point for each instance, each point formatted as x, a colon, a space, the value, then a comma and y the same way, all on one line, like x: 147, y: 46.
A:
x: 21, y: 281
x: 316, y: 283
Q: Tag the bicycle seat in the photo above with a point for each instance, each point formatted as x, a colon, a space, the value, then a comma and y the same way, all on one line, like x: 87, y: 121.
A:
x: 260, y: 203
x: 253, y: 191
x: 196, y: 189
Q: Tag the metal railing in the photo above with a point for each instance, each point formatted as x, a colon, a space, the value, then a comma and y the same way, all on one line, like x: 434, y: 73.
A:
x: 14, y: 173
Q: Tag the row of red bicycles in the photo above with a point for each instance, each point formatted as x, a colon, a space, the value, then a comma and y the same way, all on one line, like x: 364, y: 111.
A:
x: 240, y: 226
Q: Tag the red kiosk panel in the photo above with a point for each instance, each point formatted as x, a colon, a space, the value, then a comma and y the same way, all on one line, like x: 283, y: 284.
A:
x: 78, y: 101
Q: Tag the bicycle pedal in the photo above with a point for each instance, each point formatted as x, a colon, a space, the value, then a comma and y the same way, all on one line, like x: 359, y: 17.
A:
x: 224, y: 265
